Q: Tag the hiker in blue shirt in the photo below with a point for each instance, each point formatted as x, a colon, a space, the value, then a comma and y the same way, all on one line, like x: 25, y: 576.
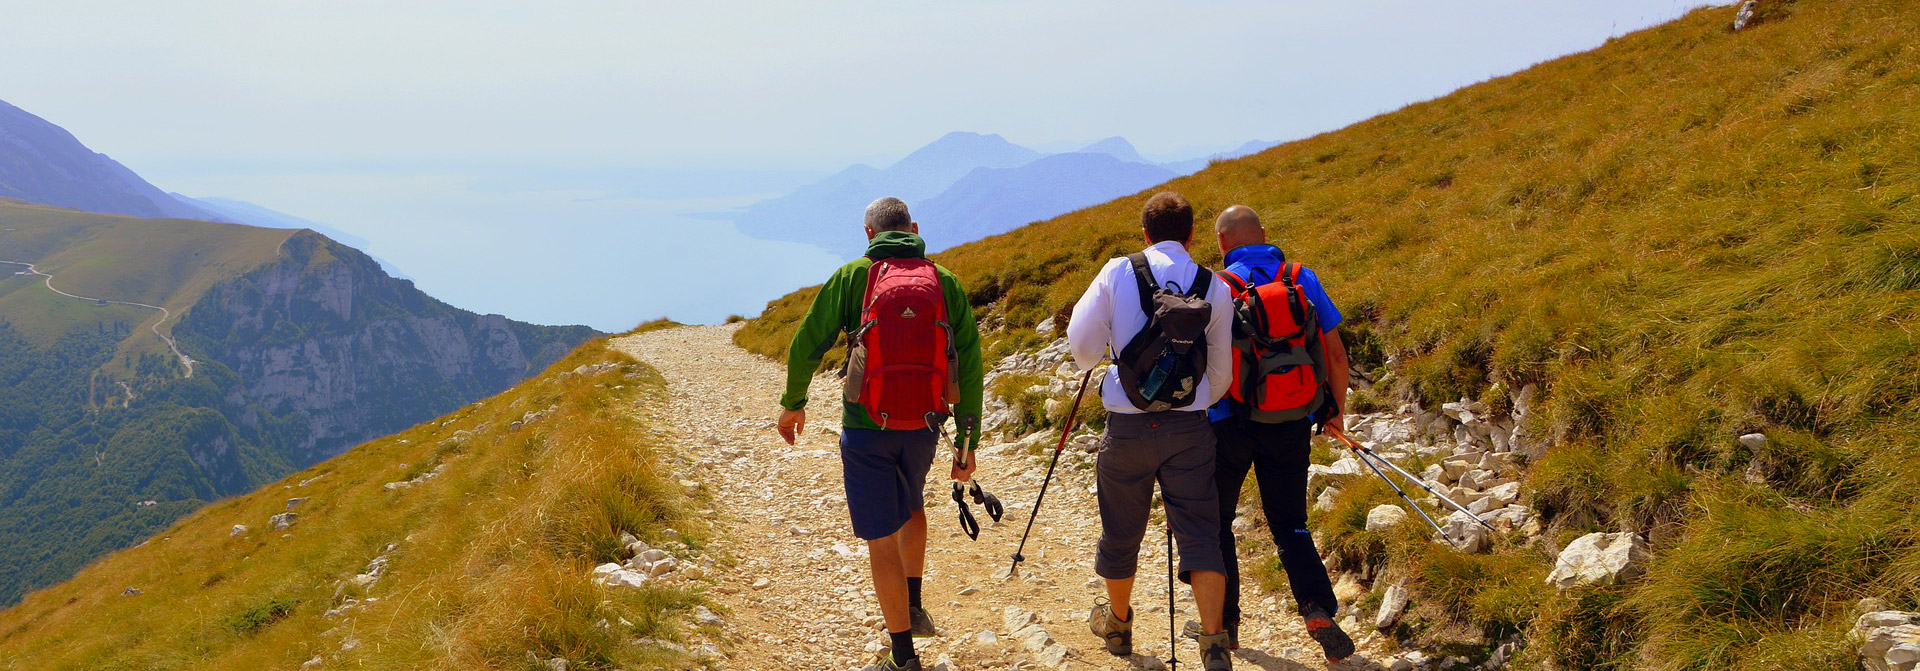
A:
x: 1278, y: 451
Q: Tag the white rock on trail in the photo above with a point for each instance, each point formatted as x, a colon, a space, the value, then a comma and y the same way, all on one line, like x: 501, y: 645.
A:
x: 1467, y: 534
x: 1600, y: 559
x: 282, y: 520
x: 1754, y: 441
x: 1889, y: 640
x: 1385, y: 516
x: 1392, y: 603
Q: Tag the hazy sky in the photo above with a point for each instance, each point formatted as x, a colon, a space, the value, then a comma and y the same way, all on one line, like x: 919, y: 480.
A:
x: 476, y: 143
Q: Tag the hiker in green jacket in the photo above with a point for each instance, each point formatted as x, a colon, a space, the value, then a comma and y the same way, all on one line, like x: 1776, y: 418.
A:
x: 913, y: 361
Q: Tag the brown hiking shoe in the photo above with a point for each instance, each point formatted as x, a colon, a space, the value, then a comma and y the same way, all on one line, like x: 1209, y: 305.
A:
x: 1213, y: 652
x: 1117, y: 633
x: 1192, y: 630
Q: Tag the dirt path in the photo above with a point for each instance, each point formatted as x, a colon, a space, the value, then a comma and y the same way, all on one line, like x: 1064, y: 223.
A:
x: 165, y: 314
x: 800, y: 598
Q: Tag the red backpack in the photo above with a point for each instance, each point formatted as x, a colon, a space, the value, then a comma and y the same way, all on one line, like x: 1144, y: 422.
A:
x: 1279, y: 360
x: 900, y: 360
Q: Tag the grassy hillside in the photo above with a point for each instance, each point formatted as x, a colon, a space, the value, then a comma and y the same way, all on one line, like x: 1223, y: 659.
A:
x: 170, y: 263
x: 1682, y: 236
x: 487, y: 562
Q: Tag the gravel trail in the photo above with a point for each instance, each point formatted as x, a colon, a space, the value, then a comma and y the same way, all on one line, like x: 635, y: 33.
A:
x: 800, y: 597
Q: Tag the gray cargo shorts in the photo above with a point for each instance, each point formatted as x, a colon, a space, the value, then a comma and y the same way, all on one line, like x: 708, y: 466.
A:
x: 1177, y: 450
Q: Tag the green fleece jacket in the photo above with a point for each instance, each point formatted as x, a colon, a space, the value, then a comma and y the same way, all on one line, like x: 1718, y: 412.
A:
x: 837, y: 310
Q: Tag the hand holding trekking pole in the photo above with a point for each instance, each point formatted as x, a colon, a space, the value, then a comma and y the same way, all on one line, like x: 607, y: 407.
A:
x: 964, y: 462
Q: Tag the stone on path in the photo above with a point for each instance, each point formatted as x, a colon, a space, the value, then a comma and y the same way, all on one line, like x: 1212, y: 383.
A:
x: 1392, y: 604
x: 1600, y: 559
x: 1889, y: 640
x: 1385, y: 516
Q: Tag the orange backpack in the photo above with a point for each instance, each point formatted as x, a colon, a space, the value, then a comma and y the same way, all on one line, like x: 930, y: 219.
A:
x: 1279, y: 362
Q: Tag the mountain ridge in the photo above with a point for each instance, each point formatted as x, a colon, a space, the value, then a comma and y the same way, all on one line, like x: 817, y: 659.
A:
x: 937, y: 176
x: 43, y: 163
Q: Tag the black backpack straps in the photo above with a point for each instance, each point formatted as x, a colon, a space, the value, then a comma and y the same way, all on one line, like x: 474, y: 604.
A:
x: 1143, y: 277
x: 1239, y: 286
x: 1202, y: 282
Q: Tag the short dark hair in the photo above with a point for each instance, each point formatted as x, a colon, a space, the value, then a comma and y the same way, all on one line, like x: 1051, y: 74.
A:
x: 888, y: 214
x: 1167, y: 216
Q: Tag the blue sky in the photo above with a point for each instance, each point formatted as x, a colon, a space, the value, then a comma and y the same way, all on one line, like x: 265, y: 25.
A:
x: 539, y: 159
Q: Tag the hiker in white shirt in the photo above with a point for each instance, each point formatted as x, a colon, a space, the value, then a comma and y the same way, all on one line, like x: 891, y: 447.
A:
x: 1156, y: 396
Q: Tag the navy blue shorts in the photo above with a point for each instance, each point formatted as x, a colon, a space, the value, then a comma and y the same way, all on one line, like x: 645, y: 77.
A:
x: 886, y: 477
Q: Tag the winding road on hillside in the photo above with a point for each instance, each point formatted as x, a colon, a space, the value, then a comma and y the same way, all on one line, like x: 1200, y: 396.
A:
x: 165, y: 314
x: 800, y: 596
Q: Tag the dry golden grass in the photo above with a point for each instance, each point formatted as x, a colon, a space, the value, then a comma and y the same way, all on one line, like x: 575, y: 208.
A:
x: 1684, y: 235
x: 492, y: 558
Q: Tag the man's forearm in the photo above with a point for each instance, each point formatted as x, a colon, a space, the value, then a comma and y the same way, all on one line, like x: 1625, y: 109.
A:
x: 1337, y: 374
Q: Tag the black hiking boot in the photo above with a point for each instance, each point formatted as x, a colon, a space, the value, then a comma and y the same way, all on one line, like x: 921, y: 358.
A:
x: 922, y: 623
x: 1213, y: 652
x: 1117, y: 633
x: 1332, y: 640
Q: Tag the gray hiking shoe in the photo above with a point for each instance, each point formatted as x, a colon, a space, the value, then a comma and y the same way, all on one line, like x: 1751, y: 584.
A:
x: 922, y: 623
x: 1332, y: 639
x: 1117, y: 633
x: 1213, y: 652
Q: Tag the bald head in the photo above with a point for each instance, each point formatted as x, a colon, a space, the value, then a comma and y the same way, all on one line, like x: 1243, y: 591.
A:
x: 1239, y: 226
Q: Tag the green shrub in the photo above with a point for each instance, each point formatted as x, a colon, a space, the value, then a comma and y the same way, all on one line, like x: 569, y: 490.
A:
x: 261, y: 615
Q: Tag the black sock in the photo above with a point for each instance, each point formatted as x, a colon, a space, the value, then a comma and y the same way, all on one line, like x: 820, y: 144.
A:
x: 913, y: 593
x: 902, y: 646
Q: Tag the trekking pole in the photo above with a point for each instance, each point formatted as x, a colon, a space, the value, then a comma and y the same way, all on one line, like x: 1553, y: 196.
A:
x: 1365, y: 452
x: 1361, y: 453
x: 1066, y: 430
x: 1173, y: 647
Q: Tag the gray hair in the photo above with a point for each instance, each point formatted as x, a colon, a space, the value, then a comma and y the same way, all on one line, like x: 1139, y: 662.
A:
x: 888, y: 214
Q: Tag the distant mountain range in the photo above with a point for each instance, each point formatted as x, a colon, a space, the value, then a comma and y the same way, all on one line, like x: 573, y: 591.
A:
x: 965, y: 186
x: 43, y: 163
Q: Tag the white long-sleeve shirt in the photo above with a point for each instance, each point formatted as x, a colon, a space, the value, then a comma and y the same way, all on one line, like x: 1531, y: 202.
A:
x: 1108, y: 316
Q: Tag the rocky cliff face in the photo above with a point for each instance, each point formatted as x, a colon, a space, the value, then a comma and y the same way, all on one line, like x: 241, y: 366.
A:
x: 329, y: 346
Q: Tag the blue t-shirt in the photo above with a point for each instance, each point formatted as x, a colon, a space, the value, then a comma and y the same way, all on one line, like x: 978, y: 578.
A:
x: 1260, y: 264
